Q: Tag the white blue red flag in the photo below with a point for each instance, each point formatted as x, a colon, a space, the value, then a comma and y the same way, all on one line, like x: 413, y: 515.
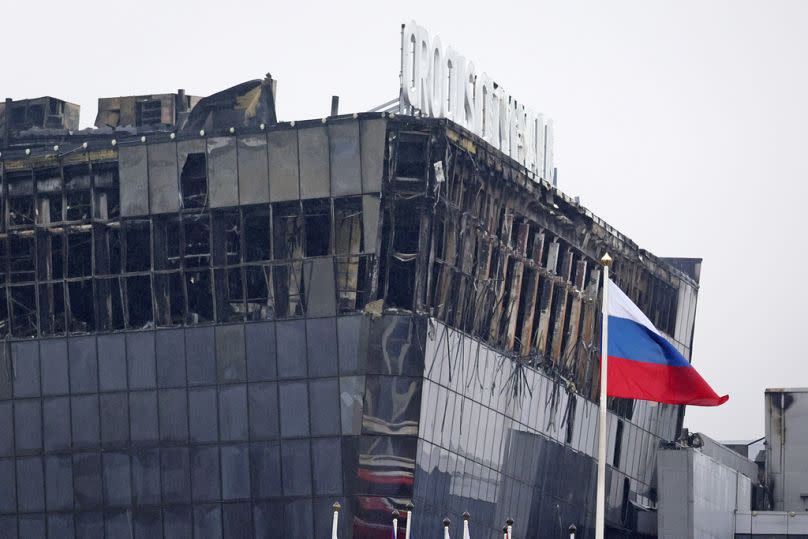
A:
x: 644, y: 365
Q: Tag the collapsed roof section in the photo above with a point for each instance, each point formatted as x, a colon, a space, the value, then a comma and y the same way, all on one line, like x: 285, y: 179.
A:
x: 48, y: 120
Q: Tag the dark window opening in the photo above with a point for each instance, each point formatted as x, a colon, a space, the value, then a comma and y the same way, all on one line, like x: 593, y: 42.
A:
x: 226, y: 237
x: 4, y: 321
x: 35, y: 116
x: 107, y: 203
x: 194, y: 181
x: 229, y: 295
x: 78, y: 195
x: 256, y: 233
x: 138, y: 245
x: 411, y: 157
x: 24, y: 320
x: 109, y: 304
x: 402, y: 243
x: 288, y: 287
x: 196, y: 230
x: 79, y: 254
x: 348, y: 226
x: 317, y: 224
x: 51, y: 308
x: 169, y: 299
x: 286, y: 231
x: 166, y: 242
x: 200, y: 300
x: 20, y: 198
x: 21, y: 251
x: 107, y: 250
x: 618, y: 444
x: 257, y: 284
x: 50, y: 264
x: 49, y: 196
x: 81, y: 301
x: 148, y: 112
x: 139, y: 302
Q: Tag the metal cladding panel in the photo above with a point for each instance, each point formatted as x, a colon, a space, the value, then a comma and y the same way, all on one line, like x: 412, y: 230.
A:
x: 284, y: 176
x: 314, y: 167
x: 164, y: 194
x: 134, y: 180
x: 770, y: 522
x: 373, y: 134
x: 222, y: 172
x: 343, y: 143
x: 370, y: 221
x: 253, y: 172
x: 318, y: 275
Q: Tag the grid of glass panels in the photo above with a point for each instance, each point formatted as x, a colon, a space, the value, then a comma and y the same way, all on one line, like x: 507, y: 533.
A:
x: 215, y: 431
x: 500, y: 441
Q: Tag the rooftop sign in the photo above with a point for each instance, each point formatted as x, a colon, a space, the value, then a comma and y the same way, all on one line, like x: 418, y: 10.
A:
x: 441, y: 83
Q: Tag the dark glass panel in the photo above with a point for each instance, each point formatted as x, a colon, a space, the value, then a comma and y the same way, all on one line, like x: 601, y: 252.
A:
x: 176, y: 474
x: 173, y: 404
x: 235, y: 472
x: 325, y: 407
x: 233, y: 412
x: 263, y: 402
x: 294, y: 404
x: 205, y: 474
x: 53, y: 355
x: 296, y: 467
x: 204, y: 426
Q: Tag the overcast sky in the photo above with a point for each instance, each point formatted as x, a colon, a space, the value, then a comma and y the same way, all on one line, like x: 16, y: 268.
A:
x: 683, y: 123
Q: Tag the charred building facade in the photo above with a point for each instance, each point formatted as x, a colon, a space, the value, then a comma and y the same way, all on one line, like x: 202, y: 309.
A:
x: 218, y: 327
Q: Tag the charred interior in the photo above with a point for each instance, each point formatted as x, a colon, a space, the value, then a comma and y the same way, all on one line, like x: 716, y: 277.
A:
x: 321, y: 217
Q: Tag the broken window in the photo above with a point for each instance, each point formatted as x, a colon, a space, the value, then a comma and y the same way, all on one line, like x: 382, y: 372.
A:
x: 256, y: 233
x: 226, y: 237
x: 163, y: 188
x: 138, y: 244
x: 78, y: 194
x: 348, y: 242
x: 196, y: 230
x: 287, y: 231
x: 166, y: 242
x: 257, y: 287
x: 287, y: 280
x: 319, y: 287
x: 107, y: 204
x: 411, y: 156
x: 107, y: 257
x: 79, y: 252
x: 401, y: 244
x: 52, y: 308
x: 49, y: 244
x: 169, y: 298
x: 81, y: 301
x: 21, y: 250
x: 109, y: 304
x: 194, y: 179
x: 222, y: 172
x: 24, y: 320
x: 139, y: 302
x: 20, y: 198
x: 5, y: 327
x: 317, y: 227
x: 287, y: 245
x: 49, y: 196
x: 200, y: 299
x: 229, y: 295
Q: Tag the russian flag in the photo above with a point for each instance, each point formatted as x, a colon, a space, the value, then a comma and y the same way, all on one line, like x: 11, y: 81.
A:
x: 644, y: 365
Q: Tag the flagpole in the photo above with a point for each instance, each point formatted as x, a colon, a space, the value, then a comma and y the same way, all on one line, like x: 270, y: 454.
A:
x: 395, y: 523
x: 600, y: 514
x: 409, y: 520
x: 335, y: 522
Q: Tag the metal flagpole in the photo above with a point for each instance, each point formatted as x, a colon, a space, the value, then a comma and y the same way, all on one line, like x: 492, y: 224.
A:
x: 600, y: 515
x: 395, y: 523
x: 446, y: 528
x: 335, y: 523
x: 409, y: 520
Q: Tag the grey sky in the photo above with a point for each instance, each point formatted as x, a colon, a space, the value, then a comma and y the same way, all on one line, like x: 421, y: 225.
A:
x: 682, y: 123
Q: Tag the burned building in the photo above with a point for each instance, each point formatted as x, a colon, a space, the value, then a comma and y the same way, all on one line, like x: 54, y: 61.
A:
x: 219, y: 326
